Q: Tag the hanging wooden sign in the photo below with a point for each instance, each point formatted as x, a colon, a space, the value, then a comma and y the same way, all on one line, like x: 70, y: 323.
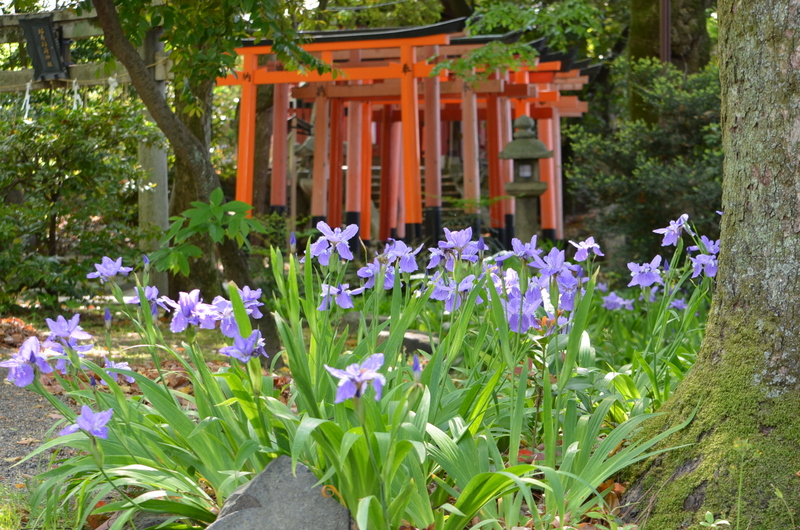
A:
x: 44, y: 48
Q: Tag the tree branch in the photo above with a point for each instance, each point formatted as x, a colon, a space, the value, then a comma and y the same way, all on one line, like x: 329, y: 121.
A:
x: 186, y: 146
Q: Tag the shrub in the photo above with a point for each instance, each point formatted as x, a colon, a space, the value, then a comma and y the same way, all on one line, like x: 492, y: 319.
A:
x: 68, y: 192
x: 634, y: 176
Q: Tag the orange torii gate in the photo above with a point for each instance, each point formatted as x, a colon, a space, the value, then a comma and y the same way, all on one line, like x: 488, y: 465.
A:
x: 370, y: 82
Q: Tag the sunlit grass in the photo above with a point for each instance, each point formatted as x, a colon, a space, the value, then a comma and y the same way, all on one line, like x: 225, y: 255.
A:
x: 13, y: 507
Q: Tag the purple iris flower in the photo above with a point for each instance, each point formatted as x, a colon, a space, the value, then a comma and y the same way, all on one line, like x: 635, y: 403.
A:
x: 92, y: 422
x: 191, y: 310
x: 704, y: 263
x: 251, y: 298
x: 405, y: 255
x: 58, y: 348
x: 710, y: 247
x: 372, y: 270
x: 568, y: 287
x: 227, y: 320
x: 458, y: 245
x: 553, y: 263
x: 646, y: 274
x: 341, y: 295
x: 333, y: 240
x: 416, y: 369
x: 22, y: 363
x: 151, y: 295
x: 508, y: 283
x: 602, y: 287
x: 354, y: 379
x: 67, y: 329
x: 525, y: 251
x: 584, y: 247
x: 245, y: 348
x: 521, y: 309
x: 673, y: 232
x: 223, y: 310
x: 292, y: 242
x: 679, y: 304
x: 452, y: 294
x: 613, y: 301
x: 122, y: 366
x: 109, y: 268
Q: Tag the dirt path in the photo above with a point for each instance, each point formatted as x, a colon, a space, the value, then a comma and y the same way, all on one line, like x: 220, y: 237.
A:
x: 25, y: 418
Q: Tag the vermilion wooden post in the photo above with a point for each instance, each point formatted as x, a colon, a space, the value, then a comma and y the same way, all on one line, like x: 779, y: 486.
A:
x: 409, y: 103
x: 366, y: 174
x: 469, y: 133
x: 522, y: 106
x: 558, y: 182
x: 507, y: 167
x: 433, y: 151
x: 549, y: 200
x: 385, y: 225
x: 396, y: 213
x: 280, y: 137
x: 352, y: 207
x: 319, y: 192
x: 496, y: 188
x: 247, y: 131
x: 335, y: 189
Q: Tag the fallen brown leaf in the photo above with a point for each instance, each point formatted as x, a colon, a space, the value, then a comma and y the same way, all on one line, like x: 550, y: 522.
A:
x: 27, y: 441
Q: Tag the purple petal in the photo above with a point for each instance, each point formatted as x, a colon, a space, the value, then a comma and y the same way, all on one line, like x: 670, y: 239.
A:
x: 373, y: 362
x: 347, y: 389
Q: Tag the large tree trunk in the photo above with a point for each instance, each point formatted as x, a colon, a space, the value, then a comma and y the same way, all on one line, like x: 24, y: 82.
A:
x: 261, y: 167
x: 188, y: 148
x: 204, y: 273
x: 747, y: 376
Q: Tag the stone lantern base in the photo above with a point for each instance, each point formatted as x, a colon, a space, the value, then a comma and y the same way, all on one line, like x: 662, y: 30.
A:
x: 526, y: 207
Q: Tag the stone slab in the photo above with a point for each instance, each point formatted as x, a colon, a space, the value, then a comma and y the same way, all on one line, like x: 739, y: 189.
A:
x: 277, y: 500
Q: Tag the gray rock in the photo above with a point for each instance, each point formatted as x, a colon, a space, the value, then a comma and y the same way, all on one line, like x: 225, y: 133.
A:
x: 277, y: 500
x: 412, y: 341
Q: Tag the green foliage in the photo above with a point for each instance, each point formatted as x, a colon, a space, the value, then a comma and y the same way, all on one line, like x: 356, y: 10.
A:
x: 481, y: 62
x: 217, y: 219
x: 202, y: 37
x: 68, y: 189
x: 350, y: 14
x: 635, y: 177
x: 590, y: 26
x: 440, y: 447
x: 562, y: 23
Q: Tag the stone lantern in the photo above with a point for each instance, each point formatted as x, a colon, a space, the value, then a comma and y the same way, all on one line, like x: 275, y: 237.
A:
x: 526, y: 150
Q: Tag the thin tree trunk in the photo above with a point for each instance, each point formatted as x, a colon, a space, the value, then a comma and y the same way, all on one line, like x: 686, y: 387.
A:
x: 746, y: 380
x: 189, y: 149
x: 691, y: 45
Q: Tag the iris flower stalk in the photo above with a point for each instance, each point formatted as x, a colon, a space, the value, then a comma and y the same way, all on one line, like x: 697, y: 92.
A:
x: 352, y: 383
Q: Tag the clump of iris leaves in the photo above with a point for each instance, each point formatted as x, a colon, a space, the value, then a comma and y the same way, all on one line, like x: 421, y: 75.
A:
x: 536, y: 383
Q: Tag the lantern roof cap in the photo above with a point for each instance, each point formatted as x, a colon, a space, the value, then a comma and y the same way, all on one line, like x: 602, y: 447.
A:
x: 525, y: 145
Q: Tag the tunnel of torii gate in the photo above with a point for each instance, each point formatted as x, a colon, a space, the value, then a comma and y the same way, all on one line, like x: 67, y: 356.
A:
x: 383, y: 77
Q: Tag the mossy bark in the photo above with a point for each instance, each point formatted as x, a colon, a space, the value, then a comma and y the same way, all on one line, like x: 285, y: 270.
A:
x: 747, y: 377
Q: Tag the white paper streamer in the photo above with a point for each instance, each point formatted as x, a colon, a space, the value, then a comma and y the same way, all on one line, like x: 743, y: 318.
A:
x: 76, y: 97
x: 112, y: 87
x: 26, y: 103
